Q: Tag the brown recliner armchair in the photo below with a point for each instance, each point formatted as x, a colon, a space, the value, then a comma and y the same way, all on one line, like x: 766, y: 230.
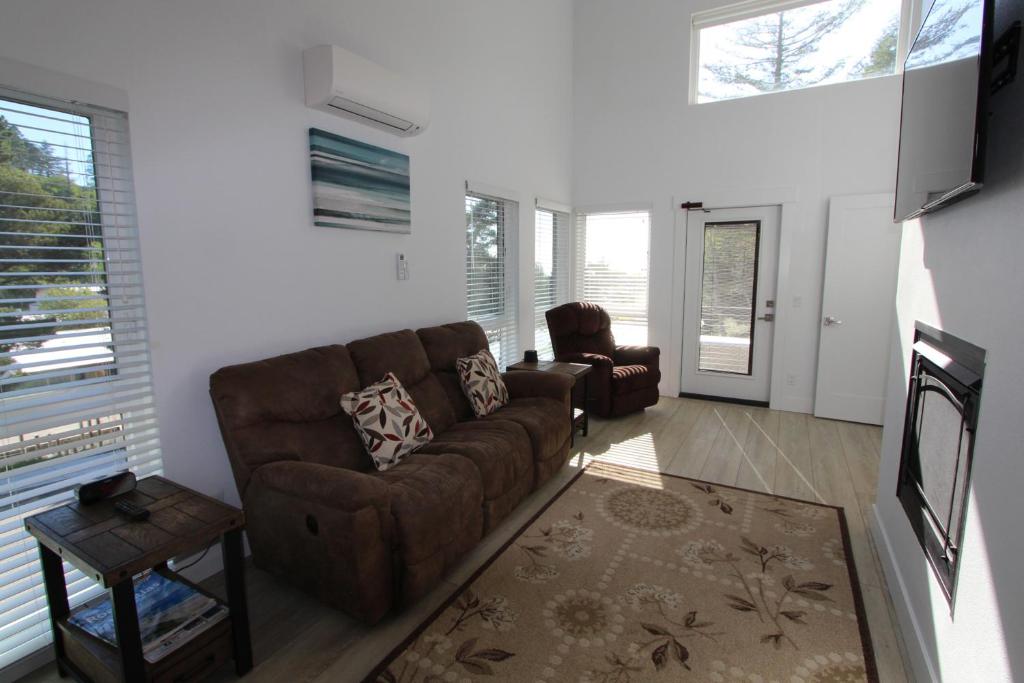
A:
x: 624, y: 379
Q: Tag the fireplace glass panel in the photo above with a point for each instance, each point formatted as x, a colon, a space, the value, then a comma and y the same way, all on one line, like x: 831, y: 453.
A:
x: 935, y: 468
x: 940, y: 443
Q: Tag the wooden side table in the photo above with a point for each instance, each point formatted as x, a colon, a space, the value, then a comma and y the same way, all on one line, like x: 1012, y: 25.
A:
x: 112, y: 550
x: 579, y: 413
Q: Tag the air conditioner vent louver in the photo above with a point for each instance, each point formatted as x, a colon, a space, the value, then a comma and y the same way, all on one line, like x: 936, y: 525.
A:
x: 375, y: 115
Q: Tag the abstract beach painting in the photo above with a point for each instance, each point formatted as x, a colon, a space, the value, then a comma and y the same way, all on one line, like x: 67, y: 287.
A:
x: 358, y: 186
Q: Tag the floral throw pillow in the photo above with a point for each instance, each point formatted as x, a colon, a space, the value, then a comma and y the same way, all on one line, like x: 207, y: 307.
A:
x: 482, y: 383
x: 387, y: 420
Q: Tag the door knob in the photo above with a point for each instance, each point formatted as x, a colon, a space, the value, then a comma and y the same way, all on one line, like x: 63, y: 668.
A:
x: 832, y: 320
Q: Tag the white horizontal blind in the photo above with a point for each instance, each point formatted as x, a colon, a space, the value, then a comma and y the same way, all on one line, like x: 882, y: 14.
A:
x: 745, y: 10
x: 75, y: 395
x: 612, y: 265
x: 490, y: 272
x: 552, y: 263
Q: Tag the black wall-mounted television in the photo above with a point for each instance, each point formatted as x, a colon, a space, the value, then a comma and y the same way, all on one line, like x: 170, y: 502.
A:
x: 946, y: 83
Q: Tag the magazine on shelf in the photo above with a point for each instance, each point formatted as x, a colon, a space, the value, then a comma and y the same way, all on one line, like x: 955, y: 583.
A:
x: 189, y: 630
x: 164, y: 607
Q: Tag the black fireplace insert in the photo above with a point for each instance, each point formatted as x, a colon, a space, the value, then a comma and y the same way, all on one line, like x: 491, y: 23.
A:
x: 938, y: 442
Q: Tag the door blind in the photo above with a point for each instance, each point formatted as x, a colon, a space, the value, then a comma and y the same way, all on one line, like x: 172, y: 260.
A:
x: 490, y: 272
x: 76, y: 401
x: 551, y: 283
x: 612, y: 269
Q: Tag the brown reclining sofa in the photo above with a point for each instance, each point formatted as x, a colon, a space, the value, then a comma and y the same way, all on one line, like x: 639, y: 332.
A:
x: 319, y: 514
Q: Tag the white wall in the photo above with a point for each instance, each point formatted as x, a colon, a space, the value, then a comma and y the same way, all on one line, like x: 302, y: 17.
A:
x: 638, y: 140
x: 960, y: 271
x: 234, y: 269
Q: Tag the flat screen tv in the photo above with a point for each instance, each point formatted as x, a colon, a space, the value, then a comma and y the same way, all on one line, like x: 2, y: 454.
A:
x: 946, y: 82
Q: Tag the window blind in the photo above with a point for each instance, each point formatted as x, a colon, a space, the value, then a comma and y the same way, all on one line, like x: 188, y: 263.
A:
x: 612, y: 269
x: 552, y: 262
x: 75, y: 394
x: 490, y: 272
x: 745, y: 10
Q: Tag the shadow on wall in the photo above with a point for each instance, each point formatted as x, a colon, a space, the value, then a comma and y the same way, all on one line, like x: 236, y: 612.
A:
x: 972, y: 252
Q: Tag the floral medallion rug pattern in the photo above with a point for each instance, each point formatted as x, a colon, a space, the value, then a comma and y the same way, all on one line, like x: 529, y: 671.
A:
x: 633, y: 576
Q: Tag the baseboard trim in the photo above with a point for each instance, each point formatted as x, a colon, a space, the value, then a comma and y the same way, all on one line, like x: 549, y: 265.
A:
x: 923, y: 666
x: 724, y: 399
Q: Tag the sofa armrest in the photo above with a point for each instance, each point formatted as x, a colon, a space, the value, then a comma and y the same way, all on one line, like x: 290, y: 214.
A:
x: 334, y: 487
x: 328, y: 529
x: 637, y: 355
x: 525, y: 384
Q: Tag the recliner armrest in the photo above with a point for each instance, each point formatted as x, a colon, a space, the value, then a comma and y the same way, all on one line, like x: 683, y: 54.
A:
x: 334, y: 487
x: 526, y: 384
x: 637, y: 355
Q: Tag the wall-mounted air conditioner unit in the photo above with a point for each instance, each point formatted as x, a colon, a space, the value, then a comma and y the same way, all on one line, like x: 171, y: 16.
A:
x: 348, y: 85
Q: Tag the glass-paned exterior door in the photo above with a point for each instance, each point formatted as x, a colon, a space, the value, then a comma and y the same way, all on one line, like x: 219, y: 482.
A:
x: 729, y: 302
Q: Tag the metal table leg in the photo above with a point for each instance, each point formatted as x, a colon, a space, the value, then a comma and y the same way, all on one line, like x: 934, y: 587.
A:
x: 234, y: 578
x: 56, y: 598
x: 126, y: 625
x: 586, y: 403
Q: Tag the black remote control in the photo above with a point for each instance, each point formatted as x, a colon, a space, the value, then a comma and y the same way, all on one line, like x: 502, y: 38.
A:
x: 135, y: 513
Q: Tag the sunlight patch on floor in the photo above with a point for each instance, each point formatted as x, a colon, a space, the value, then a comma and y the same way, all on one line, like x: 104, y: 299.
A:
x: 637, y: 451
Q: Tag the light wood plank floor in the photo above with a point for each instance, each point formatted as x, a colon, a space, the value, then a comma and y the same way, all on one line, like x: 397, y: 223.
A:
x: 297, y: 639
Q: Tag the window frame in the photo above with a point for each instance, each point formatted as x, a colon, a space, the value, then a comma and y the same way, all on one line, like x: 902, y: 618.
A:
x: 135, y: 443
x: 508, y: 323
x: 577, y: 287
x: 562, y: 269
x: 910, y: 17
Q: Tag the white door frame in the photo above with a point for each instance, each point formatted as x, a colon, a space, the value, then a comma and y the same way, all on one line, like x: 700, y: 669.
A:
x: 786, y: 198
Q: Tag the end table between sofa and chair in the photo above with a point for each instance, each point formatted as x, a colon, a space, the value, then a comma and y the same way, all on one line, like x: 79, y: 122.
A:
x: 579, y: 412
x: 111, y: 549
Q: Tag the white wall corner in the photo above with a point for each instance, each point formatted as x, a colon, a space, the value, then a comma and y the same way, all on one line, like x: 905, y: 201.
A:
x: 922, y: 666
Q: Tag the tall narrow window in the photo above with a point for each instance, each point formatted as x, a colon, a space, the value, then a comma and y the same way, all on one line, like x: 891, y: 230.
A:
x: 75, y: 394
x: 612, y: 269
x: 490, y: 272
x: 550, y: 272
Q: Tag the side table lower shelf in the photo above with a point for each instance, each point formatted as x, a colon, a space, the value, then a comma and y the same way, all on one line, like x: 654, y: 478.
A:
x: 89, y: 659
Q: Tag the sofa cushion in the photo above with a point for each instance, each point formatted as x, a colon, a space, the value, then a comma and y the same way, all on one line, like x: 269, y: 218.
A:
x: 444, y: 344
x: 402, y: 353
x: 545, y: 420
x: 436, y: 504
x: 286, y: 408
x: 387, y: 421
x: 629, y: 378
x: 503, y: 454
x: 481, y: 382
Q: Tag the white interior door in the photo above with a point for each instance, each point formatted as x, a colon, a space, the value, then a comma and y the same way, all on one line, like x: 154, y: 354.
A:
x: 861, y: 263
x: 732, y: 257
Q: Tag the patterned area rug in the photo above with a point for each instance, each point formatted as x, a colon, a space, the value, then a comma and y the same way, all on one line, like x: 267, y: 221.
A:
x: 633, y: 576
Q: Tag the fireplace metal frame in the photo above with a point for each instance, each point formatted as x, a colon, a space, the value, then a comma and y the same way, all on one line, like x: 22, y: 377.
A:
x: 960, y: 367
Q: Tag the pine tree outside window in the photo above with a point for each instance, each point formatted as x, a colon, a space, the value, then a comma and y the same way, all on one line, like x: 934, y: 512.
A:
x: 753, y: 48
